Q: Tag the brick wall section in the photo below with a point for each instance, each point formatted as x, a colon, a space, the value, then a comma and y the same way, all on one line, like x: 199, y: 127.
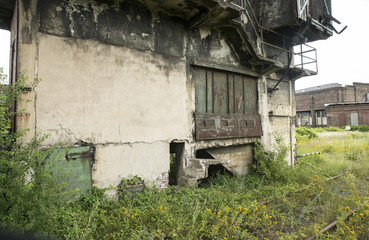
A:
x: 320, y: 97
x: 333, y: 113
x: 349, y: 94
x: 361, y: 90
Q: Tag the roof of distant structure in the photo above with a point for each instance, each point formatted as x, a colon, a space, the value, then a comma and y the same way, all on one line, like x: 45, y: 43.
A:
x: 327, y: 86
x: 345, y: 104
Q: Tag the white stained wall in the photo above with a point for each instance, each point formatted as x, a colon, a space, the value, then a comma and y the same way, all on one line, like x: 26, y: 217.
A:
x: 125, y: 102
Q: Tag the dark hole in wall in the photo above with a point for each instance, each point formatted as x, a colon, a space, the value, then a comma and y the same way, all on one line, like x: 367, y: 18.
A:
x: 176, y: 162
x: 203, y: 154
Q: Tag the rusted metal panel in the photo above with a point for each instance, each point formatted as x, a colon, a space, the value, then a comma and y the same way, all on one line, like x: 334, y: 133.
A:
x: 214, y: 126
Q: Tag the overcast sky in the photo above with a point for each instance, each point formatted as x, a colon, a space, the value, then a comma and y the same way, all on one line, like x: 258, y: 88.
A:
x: 341, y: 59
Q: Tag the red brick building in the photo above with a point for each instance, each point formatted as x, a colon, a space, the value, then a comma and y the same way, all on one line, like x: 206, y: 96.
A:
x: 333, y: 105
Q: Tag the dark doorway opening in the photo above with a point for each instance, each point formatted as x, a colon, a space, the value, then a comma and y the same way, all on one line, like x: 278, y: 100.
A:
x: 176, y: 162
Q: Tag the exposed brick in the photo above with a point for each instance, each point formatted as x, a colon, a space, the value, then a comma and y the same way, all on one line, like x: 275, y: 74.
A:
x: 316, y: 99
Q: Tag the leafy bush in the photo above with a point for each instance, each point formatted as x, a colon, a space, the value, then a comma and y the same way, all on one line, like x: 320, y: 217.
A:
x: 272, y: 165
x: 360, y: 128
x: 303, y: 133
x: 332, y: 129
x: 29, y: 194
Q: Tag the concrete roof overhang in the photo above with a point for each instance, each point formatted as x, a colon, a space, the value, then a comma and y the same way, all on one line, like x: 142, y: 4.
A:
x: 6, y: 13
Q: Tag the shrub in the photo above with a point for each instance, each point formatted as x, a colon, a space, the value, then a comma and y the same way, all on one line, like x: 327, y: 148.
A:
x: 360, y: 128
x: 29, y: 194
x: 332, y: 129
x: 303, y: 133
x: 272, y: 165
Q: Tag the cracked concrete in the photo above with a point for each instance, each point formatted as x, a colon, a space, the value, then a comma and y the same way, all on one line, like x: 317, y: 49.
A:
x: 120, y: 78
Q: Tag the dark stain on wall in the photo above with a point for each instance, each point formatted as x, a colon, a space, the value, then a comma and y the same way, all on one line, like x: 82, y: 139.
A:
x: 169, y: 37
x: 129, y: 24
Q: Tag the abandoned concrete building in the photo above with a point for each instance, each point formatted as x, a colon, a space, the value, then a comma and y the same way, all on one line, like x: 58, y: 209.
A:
x: 333, y: 105
x: 125, y: 83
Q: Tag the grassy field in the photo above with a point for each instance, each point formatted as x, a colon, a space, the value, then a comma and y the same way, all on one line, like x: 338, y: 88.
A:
x: 296, y: 203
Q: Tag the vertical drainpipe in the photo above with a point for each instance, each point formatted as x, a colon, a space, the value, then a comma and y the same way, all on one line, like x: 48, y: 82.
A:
x: 312, y: 111
x: 292, y: 145
x: 355, y: 93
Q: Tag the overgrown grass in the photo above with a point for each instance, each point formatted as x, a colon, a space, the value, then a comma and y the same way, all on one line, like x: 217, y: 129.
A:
x: 296, y: 206
x: 276, y: 201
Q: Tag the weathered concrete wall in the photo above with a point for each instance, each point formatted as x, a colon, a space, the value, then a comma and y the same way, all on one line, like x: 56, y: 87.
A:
x: 114, y: 162
x: 281, y: 114
x: 113, y: 99
x: 119, y: 77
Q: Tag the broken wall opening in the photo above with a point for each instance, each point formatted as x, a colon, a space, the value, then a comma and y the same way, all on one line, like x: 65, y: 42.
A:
x: 236, y: 159
x: 176, y: 168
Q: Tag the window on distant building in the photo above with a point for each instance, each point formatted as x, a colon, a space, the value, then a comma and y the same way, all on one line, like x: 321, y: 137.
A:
x: 366, y: 97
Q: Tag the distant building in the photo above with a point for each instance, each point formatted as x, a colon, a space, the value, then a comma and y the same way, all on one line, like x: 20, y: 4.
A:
x: 333, y: 105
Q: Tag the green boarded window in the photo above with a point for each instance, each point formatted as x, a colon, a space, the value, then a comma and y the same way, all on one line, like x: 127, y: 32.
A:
x: 219, y: 92
x: 226, y: 104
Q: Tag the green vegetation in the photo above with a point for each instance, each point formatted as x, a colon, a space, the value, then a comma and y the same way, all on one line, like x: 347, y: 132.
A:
x: 273, y: 166
x: 304, y: 133
x: 275, y: 201
x: 28, y: 193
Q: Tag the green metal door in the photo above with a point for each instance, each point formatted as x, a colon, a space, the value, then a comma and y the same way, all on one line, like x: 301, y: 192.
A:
x: 73, y: 166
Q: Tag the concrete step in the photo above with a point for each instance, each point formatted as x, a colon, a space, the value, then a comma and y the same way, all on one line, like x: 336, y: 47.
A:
x: 210, y: 161
x: 198, y: 169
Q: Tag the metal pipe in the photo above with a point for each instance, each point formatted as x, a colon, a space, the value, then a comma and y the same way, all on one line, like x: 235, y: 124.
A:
x: 307, y: 154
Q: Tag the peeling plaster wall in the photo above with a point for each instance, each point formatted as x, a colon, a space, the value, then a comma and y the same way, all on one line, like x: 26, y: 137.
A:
x: 113, y: 162
x: 119, y: 77
x: 116, y: 77
x: 116, y: 94
x: 278, y: 114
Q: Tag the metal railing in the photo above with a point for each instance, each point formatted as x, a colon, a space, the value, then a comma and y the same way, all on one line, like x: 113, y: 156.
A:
x: 302, y: 8
x: 307, y: 57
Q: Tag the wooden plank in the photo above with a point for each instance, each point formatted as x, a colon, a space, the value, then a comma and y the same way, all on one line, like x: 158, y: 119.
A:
x: 200, y: 86
x: 231, y: 94
x: 250, y: 95
x: 220, y: 92
x: 213, y: 65
x: 238, y: 95
x: 209, y: 92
